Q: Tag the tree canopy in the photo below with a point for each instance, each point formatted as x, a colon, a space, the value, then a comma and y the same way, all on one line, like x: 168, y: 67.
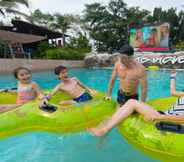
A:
x: 109, y: 24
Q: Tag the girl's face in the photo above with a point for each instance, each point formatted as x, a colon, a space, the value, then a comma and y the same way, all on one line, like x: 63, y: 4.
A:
x: 24, y: 76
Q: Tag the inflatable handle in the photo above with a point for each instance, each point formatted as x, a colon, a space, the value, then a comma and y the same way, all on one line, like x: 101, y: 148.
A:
x: 48, y: 108
x: 170, y: 127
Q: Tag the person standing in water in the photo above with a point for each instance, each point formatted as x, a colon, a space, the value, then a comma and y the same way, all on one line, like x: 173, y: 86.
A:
x: 131, y: 74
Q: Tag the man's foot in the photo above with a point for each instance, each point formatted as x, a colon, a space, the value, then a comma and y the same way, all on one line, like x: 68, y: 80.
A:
x: 97, y: 131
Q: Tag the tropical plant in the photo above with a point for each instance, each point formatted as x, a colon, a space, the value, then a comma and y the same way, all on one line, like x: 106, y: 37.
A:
x: 108, y: 25
x: 62, y: 23
x: 11, y: 5
x: 38, y: 17
x: 80, y: 42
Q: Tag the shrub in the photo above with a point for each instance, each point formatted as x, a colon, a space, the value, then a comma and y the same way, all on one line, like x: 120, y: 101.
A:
x: 64, y: 54
x: 180, y: 45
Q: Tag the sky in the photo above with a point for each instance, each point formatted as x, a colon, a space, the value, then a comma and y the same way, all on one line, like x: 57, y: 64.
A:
x: 76, y: 6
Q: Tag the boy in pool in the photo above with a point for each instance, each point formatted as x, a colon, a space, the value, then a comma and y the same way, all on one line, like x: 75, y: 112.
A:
x: 72, y: 86
x: 173, y: 114
x: 27, y: 89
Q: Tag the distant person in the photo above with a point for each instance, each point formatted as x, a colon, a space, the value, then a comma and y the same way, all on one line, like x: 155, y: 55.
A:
x: 164, y: 38
x: 174, y: 114
x: 138, y: 42
x: 27, y: 89
x: 131, y: 74
x: 72, y: 86
x: 152, y: 40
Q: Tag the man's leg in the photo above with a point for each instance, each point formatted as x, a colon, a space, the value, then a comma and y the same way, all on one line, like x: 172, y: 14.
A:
x: 127, y: 109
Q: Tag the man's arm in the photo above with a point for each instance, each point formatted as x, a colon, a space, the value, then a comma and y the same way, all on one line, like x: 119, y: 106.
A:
x: 111, y: 83
x: 143, y: 82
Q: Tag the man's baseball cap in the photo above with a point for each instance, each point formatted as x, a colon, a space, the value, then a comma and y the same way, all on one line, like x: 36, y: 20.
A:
x: 126, y: 50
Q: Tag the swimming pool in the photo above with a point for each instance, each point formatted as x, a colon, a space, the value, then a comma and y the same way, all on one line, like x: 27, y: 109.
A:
x: 45, y: 147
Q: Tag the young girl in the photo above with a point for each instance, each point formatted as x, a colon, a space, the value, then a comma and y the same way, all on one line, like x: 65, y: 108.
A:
x: 27, y: 89
x: 174, y: 114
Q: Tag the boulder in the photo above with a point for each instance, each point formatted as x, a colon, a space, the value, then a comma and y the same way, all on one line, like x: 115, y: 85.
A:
x: 101, y: 59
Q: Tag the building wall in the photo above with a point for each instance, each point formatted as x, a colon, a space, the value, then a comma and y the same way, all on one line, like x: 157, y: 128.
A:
x: 7, y: 65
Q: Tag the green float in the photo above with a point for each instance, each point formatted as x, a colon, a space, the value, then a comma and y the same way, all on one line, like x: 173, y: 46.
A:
x: 74, y: 118
x: 162, y: 145
x: 165, y: 146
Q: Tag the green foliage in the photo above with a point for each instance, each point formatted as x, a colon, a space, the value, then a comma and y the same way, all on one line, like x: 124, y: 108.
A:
x: 180, y: 45
x: 108, y: 24
x: 4, y: 50
x: 81, y: 42
x: 42, y: 48
x: 10, y: 5
x: 75, y: 50
x: 40, y: 18
x: 65, y: 54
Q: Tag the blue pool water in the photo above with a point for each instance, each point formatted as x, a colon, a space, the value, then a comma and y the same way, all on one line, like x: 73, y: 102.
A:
x: 45, y: 147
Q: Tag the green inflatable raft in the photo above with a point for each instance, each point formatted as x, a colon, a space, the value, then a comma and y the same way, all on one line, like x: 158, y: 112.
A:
x: 75, y: 118
x: 162, y: 145
x: 165, y: 146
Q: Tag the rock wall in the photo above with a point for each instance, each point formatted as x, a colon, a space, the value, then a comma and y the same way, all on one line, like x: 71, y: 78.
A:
x: 163, y: 60
x: 7, y: 65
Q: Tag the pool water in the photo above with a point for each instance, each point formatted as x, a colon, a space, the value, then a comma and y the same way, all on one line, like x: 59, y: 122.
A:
x: 81, y: 147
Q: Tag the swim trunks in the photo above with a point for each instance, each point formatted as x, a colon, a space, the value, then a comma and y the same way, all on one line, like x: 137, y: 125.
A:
x: 84, y: 97
x: 123, y: 97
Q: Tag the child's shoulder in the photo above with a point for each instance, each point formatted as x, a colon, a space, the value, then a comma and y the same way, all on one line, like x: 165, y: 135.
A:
x: 34, y: 84
x: 74, y: 78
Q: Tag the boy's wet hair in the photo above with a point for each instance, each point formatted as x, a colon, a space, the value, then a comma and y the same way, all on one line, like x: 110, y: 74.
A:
x: 16, y: 71
x: 58, y: 69
x: 127, y: 50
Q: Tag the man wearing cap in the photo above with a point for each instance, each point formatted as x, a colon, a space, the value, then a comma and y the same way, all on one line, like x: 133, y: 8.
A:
x: 131, y: 74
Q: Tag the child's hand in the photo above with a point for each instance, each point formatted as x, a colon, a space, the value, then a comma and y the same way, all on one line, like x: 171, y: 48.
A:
x: 43, y: 102
x: 173, y: 73
x: 92, y: 92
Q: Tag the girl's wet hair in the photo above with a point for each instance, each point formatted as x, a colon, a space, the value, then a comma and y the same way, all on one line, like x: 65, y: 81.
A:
x: 16, y: 71
x: 58, y: 69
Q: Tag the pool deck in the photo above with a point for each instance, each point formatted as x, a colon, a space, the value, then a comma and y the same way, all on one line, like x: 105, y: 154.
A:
x: 8, y: 65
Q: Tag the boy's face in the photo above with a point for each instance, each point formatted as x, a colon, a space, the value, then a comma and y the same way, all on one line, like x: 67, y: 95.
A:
x: 24, y: 76
x: 63, y: 75
x: 125, y: 60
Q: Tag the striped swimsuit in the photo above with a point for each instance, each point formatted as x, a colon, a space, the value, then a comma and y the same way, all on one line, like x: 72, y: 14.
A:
x: 25, y: 93
x: 177, y: 108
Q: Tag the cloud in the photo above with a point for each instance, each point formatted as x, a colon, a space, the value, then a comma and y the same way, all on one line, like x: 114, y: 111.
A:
x: 76, y: 6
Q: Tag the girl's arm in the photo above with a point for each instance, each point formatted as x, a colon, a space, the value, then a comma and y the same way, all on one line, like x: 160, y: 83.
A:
x: 173, y: 85
x: 39, y: 92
